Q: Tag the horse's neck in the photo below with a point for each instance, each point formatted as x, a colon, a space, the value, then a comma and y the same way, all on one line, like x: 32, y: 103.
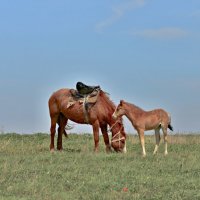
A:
x: 111, y: 122
x: 108, y: 108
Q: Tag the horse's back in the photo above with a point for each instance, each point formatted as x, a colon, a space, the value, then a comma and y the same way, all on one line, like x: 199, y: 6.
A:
x: 162, y: 114
x: 158, y: 111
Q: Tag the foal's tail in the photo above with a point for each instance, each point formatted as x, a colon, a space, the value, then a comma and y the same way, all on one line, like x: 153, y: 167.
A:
x: 170, y: 127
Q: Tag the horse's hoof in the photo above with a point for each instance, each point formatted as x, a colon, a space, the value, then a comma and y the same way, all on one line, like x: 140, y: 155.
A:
x: 60, y: 149
x: 52, y: 150
x: 96, y: 151
x: 108, y: 150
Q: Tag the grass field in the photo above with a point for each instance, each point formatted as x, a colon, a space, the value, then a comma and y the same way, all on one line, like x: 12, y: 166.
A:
x: 29, y: 171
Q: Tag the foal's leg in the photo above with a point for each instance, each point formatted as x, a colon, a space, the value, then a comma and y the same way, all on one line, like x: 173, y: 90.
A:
x: 157, y: 135
x: 95, y: 127
x: 141, y: 136
x: 164, y: 129
x: 106, y: 137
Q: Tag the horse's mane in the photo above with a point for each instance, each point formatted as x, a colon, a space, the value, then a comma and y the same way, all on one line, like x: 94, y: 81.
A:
x: 110, y: 107
x: 136, y: 107
x: 107, y: 100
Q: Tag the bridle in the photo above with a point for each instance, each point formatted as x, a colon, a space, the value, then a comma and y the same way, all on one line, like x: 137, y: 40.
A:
x: 115, y: 138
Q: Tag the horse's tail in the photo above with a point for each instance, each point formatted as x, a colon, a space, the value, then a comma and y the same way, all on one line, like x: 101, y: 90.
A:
x: 69, y: 127
x: 65, y: 134
x: 170, y: 127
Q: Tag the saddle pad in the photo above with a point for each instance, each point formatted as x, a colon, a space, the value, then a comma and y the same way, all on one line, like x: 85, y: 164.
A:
x: 91, y: 98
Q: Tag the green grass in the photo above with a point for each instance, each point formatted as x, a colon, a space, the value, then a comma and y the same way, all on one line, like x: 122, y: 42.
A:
x: 29, y: 171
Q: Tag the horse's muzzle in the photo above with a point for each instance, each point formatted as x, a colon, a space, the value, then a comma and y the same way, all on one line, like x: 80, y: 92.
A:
x: 114, y: 116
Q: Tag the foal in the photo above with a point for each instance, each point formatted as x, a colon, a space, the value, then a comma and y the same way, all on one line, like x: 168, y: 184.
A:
x: 145, y: 120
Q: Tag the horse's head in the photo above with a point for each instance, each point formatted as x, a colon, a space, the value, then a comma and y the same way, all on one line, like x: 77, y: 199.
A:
x: 116, y: 125
x: 118, y: 141
x: 119, y: 111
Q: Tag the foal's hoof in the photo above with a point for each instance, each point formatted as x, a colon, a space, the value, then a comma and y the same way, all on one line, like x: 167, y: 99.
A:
x: 144, y: 155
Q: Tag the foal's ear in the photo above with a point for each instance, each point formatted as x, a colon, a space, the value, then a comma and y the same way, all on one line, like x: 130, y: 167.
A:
x: 121, y: 102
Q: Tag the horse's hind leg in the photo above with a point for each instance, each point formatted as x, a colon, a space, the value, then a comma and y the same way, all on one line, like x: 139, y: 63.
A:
x: 62, y: 121
x: 54, y: 113
x: 157, y: 135
x: 53, y: 131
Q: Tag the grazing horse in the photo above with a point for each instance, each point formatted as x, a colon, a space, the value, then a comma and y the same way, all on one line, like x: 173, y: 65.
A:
x: 145, y: 120
x: 98, y: 114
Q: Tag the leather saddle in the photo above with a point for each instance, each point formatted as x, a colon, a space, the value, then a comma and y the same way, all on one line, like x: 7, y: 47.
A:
x: 84, y: 94
x: 85, y: 89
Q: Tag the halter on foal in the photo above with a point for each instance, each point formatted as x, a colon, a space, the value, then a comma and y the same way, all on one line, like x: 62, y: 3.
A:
x: 145, y: 120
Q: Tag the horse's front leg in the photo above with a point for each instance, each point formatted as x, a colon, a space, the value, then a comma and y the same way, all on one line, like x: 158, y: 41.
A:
x: 106, y: 137
x: 95, y: 127
x: 53, y: 131
x: 124, y: 150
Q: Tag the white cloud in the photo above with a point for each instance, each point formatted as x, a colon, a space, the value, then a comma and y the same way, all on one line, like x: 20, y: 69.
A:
x: 118, y: 12
x: 161, y: 33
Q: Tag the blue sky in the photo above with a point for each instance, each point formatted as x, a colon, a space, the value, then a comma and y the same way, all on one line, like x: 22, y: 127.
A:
x: 146, y: 52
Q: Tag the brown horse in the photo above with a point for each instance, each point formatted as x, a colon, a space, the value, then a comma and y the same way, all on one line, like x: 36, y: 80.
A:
x: 145, y: 120
x: 99, y: 115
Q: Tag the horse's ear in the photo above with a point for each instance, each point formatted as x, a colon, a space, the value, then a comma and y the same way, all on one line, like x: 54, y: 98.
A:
x: 121, y: 102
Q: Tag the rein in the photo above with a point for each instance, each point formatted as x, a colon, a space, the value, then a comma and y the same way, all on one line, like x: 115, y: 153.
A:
x: 110, y: 129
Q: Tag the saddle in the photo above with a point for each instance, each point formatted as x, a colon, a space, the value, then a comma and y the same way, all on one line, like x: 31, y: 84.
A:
x: 85, y: 89
x: 89, y: 98
x: 85, y: 95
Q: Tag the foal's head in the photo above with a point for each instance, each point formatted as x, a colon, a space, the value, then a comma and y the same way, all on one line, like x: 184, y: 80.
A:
x: 119, y: 111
